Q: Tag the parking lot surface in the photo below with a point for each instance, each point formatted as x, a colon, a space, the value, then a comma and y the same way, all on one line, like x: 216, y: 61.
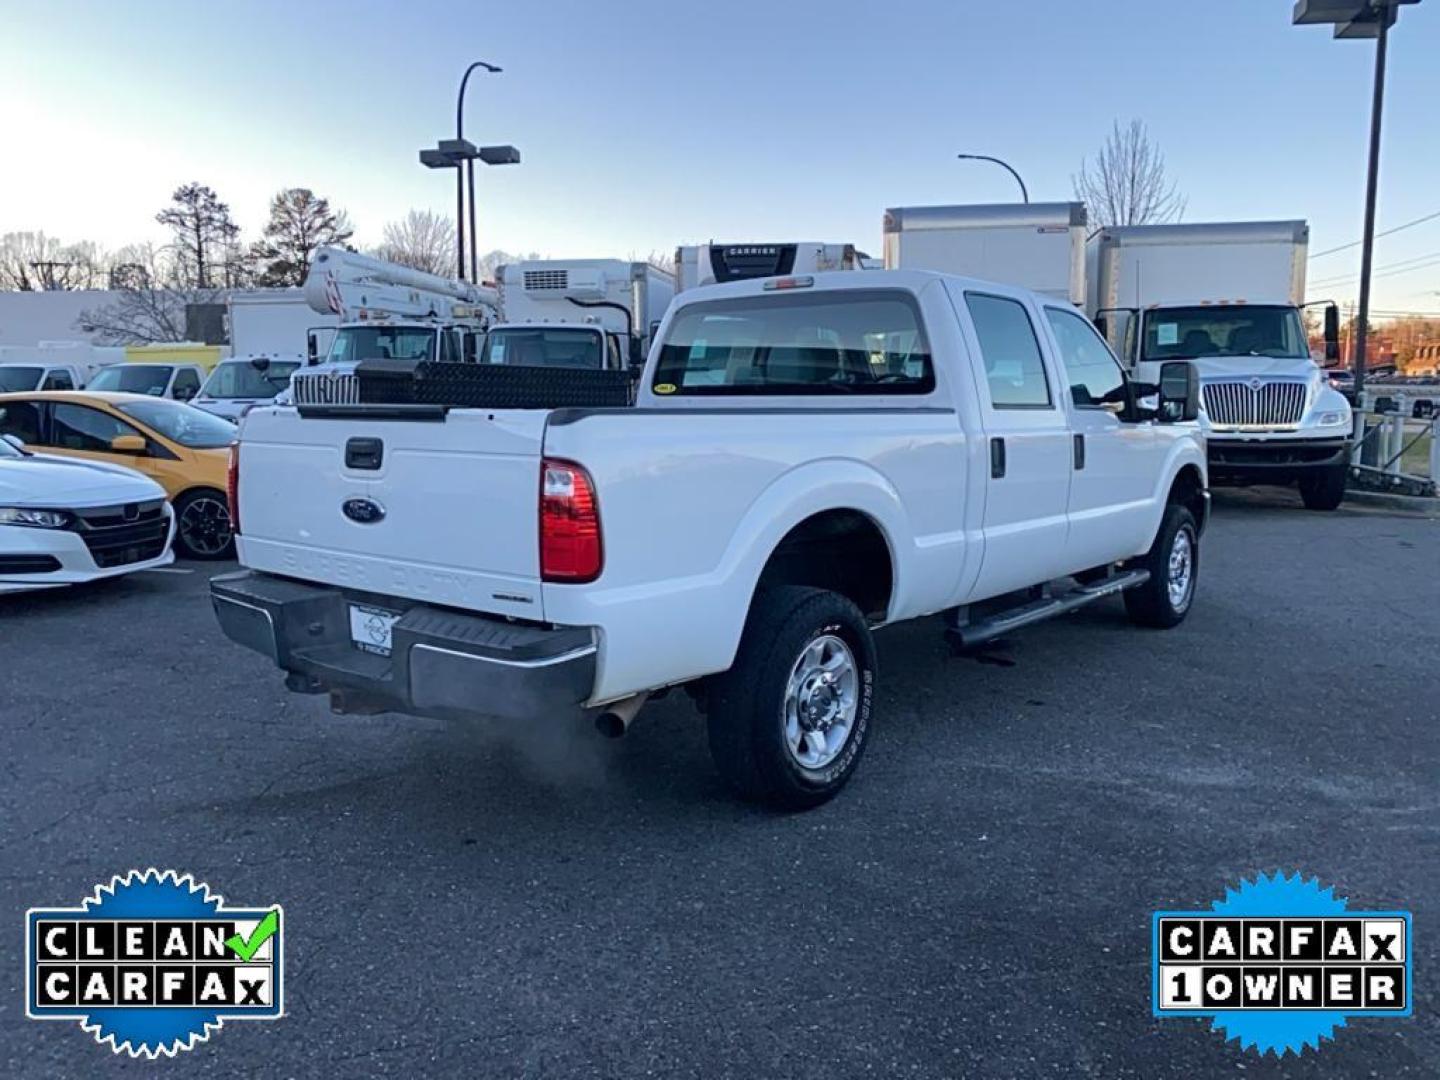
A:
x: 498, y: 901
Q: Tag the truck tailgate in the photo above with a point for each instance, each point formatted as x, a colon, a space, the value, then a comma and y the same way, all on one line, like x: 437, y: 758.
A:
x: 448, y: 514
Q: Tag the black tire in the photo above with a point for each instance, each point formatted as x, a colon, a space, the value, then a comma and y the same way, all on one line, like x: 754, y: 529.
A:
x: 1324, y: 489
x: 747, y: 704
x: 202, y: 525
x: 1151, y: 604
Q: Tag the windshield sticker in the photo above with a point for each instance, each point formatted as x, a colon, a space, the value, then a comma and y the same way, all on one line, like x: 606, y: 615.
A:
x: 1167, y: 333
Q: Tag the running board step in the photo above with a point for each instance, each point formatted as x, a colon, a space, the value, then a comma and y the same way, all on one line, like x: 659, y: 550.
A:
x: 1001, y: 623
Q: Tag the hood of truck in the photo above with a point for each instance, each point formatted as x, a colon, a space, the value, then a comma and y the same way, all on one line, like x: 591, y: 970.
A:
x: 1221, y: 368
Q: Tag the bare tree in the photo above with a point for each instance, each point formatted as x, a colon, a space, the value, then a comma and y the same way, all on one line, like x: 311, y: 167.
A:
x: 203, y: 232
x: 34, y: 262
x: 659, y: 259
x: 1127, y: 184
x: 491, y: 261
x: 151, y: 302
x: 422, y: 240
x: 300, y: 222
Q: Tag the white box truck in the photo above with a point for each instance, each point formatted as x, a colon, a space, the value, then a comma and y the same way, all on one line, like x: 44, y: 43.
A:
x: 1228, y: 296
x: 1039, y: 246
x: 270, y: 322
x: 710, y: 264
x: 581, y: 313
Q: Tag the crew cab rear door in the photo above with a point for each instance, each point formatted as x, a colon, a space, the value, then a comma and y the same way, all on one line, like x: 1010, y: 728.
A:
x: 1028, y: 436
x: 443, y: 510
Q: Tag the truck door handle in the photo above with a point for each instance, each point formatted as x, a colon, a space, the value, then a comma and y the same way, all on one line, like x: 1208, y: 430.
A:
x: 1079, y: 451
x: 997, y: 458
x: 361, y: 453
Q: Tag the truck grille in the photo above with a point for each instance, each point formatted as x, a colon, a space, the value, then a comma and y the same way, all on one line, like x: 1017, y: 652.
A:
x: 547, y: 279
x: 120, y: 535
x: 325, y: 388
x: 1270, y: 404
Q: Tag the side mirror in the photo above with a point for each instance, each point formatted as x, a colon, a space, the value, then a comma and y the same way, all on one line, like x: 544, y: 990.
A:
x: 1332, y: 334
x: 127, y: 444
x: 1179, y: 391
x: 312, y: 347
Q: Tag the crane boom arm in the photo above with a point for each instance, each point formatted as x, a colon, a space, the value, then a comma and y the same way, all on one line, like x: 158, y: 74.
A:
x: 344, y: 283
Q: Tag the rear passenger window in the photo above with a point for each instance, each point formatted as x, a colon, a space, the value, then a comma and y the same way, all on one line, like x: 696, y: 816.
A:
x: 1095, y: 379
x: 851, y: 341
x: 1013, y: 366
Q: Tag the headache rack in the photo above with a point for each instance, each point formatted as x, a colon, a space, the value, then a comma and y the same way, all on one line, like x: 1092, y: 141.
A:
x: 478, y: 386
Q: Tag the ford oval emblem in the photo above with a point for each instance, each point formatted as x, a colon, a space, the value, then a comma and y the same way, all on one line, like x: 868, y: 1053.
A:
x: 365, y: 511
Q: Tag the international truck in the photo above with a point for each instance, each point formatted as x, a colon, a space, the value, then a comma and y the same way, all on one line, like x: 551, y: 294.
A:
x: 1229, y: 297
x: 1039, y: 246
x: 712, y: 263
x: 810, y: 458
x: 577, y: 313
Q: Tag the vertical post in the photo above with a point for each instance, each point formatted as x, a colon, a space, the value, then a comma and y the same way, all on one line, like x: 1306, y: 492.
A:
x: 1367, y: 246
x: 1435, y: 448
x: 460, y: 220
x: 474, y: 258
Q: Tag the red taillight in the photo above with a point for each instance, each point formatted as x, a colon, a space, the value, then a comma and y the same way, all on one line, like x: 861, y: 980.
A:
x: 569, y: 523
x: 232, y: 487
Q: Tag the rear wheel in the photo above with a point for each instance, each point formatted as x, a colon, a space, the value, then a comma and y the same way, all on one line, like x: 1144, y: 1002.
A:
x: 790, y: 719
x: 1324, y: 489
x: 202, y: 525
x: 1174, y: 564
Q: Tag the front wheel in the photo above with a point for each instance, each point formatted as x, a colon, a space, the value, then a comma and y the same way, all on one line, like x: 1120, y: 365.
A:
x: 1174, y: 564
x: 1324, y: 489
x: 202, y: 525
x: 790, y: 719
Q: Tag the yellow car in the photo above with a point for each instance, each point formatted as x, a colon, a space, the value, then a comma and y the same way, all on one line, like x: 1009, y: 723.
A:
x: 184, y: 450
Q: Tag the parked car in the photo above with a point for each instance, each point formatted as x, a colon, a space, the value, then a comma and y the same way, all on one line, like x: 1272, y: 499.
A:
x: 237, y: 386
x: 22, y: 376
x: 63, y: 522
x: 809, y: 458
x: 180, y: 382
x: 182, y: 448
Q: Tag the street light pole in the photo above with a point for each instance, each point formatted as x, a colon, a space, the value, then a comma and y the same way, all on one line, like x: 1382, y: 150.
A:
x: 1004, y: 165
x: 1367, y: 243
x: 460, y: 181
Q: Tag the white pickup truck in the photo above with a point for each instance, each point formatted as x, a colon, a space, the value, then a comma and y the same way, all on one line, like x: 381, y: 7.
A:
x: 809, y: 458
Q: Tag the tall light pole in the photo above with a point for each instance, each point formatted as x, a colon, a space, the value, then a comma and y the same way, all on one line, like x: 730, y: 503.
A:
x: 1004, y: 165
x: 460, y: 154
x: 1361, y: 19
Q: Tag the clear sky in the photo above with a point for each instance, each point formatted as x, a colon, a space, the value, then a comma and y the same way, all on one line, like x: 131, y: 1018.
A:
x: 648, y: 123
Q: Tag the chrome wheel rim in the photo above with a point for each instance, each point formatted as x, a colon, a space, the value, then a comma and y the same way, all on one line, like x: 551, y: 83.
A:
x: 821, y: 702
x: 205, y: 525
x: 1181, y: 571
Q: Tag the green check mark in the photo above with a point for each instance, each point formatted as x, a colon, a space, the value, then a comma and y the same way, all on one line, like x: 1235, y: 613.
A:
x: 244, y: 948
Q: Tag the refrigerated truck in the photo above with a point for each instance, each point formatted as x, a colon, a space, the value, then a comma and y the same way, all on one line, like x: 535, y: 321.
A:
x: 577, y: 312
x: 1038, y: 246
x: 1229, y: 297
x: 712, y: 263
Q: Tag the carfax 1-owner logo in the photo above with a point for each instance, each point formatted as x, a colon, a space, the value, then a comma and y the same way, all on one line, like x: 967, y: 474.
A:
x: 1281, y: 964
x: 154, y: 962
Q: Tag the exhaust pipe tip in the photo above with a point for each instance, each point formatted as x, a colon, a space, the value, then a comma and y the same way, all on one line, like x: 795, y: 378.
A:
x: 610, y: 725
x: 615, y: 720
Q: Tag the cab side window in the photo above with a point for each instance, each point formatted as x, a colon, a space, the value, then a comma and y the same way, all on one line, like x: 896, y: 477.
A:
x: 187, y: 385
x: 1095, y: 378
x: 58, y: 380
x: 78, y: 427
x: 1014, y: 367
x: 21, y: 419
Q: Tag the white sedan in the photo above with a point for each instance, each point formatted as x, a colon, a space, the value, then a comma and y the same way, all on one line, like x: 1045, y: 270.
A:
x: 64, y: 521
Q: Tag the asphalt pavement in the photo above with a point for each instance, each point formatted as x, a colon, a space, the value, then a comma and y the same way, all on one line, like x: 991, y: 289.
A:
x: 492, y: 901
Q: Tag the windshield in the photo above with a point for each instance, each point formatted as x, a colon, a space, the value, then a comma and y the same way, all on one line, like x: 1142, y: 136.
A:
x: 18, y: 378
x: 243, y: 379
x: 535, y: 347
x: 1221, y: 330
x: 185, y: 424
x: 353, y: 343
x: 149, y: 379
